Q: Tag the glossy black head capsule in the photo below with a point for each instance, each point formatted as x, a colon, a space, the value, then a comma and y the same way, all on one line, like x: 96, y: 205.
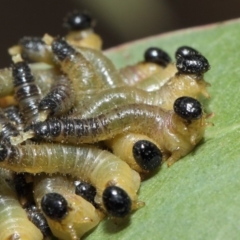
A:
x: 116, y: 201
x: 61, y: 49
x: 188, y: 108
x: 78, y: 21
x: 147, y: 155
x: 192, y: 64
x: 54, y: 205
x: 157, y: 55
x: 86, y: 190
x: 21, y: 73
x: 186, y: 51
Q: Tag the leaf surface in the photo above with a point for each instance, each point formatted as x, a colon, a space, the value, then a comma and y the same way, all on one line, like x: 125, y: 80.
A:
x: 199, y: 196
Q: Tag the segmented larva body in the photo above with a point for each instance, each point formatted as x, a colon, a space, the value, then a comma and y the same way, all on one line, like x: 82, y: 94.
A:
x: 104, y: 67
x: 14, y: 223
x: 80, y: 71
x: 81, y: 33
x: 14, y: 116
x: 27, y: 93
x: 38, y: 219
x: 155, y: 60
x: 134, y: 74
x: 172, y: 131
x: 44, y: 76
x: 156, y: 80
x: 140, y: 152
x: 81, y: 216
x: 187, y: 82
x: 7, y: 128
x: 85, y: 162
x: 59, y: 100
x: 33, y: 49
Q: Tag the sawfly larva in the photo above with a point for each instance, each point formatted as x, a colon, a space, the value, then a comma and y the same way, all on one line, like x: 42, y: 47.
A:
x: 176, y: 132
x: 27, y: 93
x: 87, y: 163
x: 69, y: 216
x: 14, y: 223
x: 14, y: 116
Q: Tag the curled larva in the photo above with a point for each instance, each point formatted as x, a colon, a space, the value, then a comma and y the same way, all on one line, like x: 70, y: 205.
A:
x: 80, y: 30
x: 141, y: 153
x: 88, y: 163
x: 27, y: 93
x: 155, y: 60
x: 70, y: 219
x: 59, y: 100
x: 80, y: 71
x: 14, y: 223
x: 33, y: 49
x: 176, y: 132
x: 181, y: 84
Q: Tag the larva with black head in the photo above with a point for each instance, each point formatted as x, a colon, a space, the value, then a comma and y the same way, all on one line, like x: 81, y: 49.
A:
x: 69, y: 216
x: 140, y: 152
x: 33, y: 49
x: 181, y: 84
x: 184, y: 51
x: 175, y: 133
x: 155, y: 61
x: 88, y: 163
x: 76, y: 67
x: 27, y: 93
x: 14, y: 223
x: 59, y: 100
x: 80, y: 30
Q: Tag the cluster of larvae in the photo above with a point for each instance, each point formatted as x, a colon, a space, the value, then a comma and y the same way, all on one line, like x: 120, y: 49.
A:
x: 78, y: 135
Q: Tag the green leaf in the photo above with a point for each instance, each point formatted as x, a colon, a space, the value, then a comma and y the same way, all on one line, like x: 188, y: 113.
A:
x: 199, y: 196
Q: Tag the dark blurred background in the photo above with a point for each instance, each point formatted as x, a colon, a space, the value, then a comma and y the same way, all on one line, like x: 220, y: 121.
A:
x: 118, y: 21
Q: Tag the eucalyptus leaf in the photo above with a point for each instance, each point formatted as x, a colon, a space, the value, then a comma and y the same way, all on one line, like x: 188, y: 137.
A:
x: 199, y: 196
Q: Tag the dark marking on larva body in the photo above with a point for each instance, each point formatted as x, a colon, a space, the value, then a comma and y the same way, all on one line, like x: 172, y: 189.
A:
x: 27, y: 93
x: 7, y: 128
x: 60, y: 99
x: 76, y: 67
x: 38, y: 219
x: 14, y: 115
